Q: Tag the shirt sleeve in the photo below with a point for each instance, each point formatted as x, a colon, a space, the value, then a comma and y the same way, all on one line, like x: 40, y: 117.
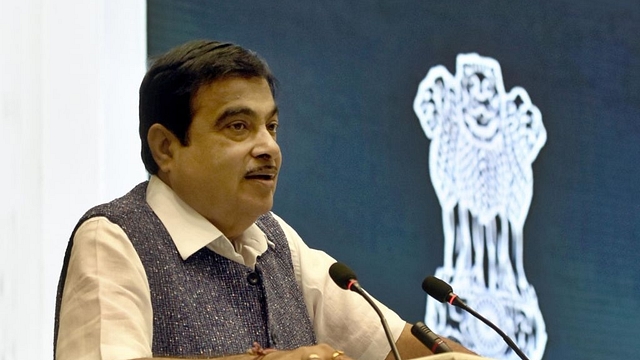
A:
x: 341, y: 318
x: 106, y: 312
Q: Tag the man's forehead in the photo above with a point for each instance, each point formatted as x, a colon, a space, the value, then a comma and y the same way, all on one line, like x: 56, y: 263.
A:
x: 236, y: 96
x: 233, y: 87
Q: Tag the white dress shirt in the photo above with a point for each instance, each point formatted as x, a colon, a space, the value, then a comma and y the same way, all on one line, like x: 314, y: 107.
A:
x: 106, y: 310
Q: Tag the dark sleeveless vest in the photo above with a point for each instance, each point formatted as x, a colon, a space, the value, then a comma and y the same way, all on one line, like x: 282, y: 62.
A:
x: 209, y: 305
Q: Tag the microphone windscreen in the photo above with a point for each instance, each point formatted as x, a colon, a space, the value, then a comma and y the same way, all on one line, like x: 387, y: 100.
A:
x: 437, y: 288
x: 342, y: 275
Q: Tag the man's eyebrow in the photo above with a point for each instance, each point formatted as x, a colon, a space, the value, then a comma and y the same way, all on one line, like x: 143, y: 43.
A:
x: 242, y: 110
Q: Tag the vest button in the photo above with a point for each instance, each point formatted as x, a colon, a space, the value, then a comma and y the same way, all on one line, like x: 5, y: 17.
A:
x: 253, y: 278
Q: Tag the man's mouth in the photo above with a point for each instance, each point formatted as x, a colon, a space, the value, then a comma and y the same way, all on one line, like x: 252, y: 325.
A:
x: 262, y: 173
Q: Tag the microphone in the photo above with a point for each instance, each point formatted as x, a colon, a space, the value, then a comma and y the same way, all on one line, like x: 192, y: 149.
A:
x: 443, y: 292
x: 345, y: 278
x: 429, y: 338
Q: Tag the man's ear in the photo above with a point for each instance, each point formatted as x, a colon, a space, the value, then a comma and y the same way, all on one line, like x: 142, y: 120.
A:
x: 162, y: 144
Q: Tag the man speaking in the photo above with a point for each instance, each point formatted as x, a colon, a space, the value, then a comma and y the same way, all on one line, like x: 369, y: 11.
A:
x: 192, y: 263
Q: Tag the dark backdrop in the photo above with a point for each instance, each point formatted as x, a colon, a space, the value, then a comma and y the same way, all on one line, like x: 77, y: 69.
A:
x: 355, y: 180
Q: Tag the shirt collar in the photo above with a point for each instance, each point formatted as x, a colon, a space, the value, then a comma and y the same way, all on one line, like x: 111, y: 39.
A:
x: 191, y: 232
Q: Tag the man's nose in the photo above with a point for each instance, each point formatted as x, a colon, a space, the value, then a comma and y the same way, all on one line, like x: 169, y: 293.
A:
x: 266, y: 145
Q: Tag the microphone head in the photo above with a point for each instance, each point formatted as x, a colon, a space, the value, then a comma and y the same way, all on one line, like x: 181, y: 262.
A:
x: 437, y: 288
x: 342, y: 275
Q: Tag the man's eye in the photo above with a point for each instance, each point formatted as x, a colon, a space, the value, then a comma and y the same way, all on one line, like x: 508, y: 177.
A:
x: 238, y: 126
x: 273, y: 127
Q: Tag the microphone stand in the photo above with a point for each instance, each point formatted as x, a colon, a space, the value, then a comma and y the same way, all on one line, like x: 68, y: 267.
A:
x: 356, y: 287
x: 459, y: 303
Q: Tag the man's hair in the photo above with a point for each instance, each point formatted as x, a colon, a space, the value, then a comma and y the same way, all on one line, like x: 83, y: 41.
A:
x: 168, y: 88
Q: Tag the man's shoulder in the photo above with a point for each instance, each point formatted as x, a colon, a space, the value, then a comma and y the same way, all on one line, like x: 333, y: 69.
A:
x: 121, y: 207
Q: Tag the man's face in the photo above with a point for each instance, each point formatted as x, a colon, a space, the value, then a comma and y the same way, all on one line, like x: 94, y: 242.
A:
x: 228, y: 171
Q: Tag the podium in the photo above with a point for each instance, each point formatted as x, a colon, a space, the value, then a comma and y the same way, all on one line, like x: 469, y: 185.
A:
x: 453, y: 356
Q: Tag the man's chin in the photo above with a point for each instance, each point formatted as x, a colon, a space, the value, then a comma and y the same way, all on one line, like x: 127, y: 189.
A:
x: 260, y: 208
